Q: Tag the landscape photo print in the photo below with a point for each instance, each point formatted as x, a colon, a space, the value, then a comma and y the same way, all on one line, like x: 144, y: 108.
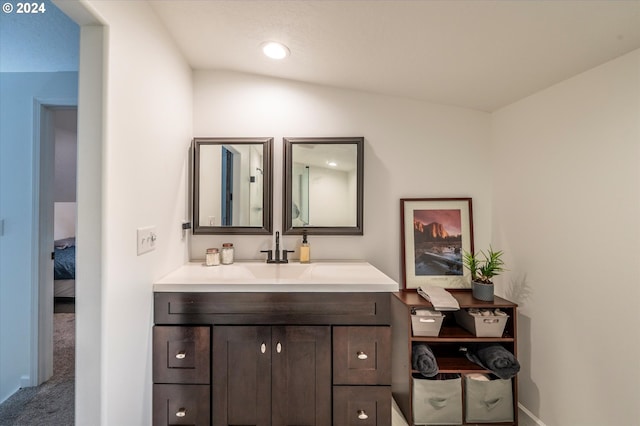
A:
x: 435, y: 233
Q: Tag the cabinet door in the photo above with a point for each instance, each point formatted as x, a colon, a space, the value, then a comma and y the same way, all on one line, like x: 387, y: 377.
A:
x: 301, y: 376
x: 241, y: 379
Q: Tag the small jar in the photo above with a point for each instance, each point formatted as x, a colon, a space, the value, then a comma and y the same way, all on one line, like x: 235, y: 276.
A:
x: 227, y: 254
x: 212, y: 257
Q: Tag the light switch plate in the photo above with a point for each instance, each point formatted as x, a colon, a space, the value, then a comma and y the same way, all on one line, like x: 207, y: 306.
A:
x: 147, y: 239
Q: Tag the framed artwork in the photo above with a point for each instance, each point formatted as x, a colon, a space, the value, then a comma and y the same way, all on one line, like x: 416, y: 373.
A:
x: 435, y: 233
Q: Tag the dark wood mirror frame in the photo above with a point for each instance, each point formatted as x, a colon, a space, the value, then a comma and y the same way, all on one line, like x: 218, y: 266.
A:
x: 267, y: 193
x: 287, y: 220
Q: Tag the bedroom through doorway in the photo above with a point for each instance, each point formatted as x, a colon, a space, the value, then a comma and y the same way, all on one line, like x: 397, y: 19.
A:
x: 64, y: 208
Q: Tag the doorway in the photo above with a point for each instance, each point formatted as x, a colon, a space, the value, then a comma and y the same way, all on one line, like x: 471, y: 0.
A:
x: 227, y: 187
x: 56, y: 125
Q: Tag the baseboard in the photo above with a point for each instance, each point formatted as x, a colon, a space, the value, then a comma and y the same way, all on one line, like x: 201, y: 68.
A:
x: 526, y: 417
x: 25, y: 382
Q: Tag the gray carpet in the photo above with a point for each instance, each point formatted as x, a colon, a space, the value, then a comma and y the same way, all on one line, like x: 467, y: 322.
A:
x: 52, y: 403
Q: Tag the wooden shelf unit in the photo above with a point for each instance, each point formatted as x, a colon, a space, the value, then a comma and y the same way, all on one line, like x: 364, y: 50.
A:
x: 445, y: 346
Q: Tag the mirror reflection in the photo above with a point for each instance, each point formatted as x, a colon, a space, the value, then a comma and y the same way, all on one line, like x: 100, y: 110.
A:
x: 323, y: 185
x: 232, y: 185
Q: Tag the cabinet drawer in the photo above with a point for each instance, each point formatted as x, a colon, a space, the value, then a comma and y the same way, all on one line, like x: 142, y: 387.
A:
x: 181, y: 354
x: 362, y: 405
x: 181, y: 405
x: 361, y: 355
x: 265, y: 308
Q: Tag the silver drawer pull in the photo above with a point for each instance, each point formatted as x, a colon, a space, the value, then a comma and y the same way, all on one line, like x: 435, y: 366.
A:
x: 181, y: 355
x: 427, y: 320
x: 181, y: 412
x: 362, y: 415
x: 278, y: 347
x: 263, y: 348
x: 362, y: 355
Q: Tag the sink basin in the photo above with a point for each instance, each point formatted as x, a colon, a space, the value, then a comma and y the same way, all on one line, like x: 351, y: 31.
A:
x: 285, y: 277
x: 289, y: 271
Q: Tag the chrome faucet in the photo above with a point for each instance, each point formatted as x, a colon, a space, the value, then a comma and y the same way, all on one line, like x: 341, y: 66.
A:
x: 277, y: 259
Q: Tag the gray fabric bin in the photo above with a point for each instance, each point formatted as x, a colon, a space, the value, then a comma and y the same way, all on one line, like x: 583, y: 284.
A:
x: 437, y: 402
x: 488, y: 401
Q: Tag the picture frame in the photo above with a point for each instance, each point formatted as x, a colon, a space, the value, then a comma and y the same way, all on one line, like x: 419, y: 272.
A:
x: 435, y: 233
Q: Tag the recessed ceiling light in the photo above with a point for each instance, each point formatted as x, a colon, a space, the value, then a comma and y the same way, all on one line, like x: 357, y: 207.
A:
x: 275, y: 50
x: 332, y: 164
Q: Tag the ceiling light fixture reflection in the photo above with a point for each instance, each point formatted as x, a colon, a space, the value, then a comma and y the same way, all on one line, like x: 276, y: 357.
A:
x: 275, y: 50
x: 332, y: 164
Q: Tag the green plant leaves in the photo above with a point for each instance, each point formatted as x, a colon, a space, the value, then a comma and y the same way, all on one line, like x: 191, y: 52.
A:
x: 485, y: 268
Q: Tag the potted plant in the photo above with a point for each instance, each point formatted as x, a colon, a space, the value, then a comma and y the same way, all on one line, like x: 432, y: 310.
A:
x: 483, y: 267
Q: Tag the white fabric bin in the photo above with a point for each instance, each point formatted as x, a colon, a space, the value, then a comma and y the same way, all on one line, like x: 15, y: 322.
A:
x: 426, y: 322
x: 488, y: 401
x: 437, y: 402
x: 481, y: 326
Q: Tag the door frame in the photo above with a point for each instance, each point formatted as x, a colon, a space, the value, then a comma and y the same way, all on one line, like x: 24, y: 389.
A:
x: 42, y: 236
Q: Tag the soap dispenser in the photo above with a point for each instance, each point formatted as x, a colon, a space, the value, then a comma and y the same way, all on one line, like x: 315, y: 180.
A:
x: 305, y: 249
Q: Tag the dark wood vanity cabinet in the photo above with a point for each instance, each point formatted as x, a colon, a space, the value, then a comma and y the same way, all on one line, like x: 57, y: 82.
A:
x: 277, y: 375
x: 278, y: 359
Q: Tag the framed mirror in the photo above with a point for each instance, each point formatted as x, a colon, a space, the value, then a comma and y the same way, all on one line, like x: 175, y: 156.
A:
x: 232, y: 185
x: 323, y: 186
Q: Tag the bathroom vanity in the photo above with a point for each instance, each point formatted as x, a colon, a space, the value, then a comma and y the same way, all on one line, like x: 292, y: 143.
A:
x: 286, y: 344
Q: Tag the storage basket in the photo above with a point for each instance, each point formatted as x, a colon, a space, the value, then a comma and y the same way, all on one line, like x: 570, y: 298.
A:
x: 437, y: 402
x: 479, y: 325
x: 426, y: 322
x: 488, y: 401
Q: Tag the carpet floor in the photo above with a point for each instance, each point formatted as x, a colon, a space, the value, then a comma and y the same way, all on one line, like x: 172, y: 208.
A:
x: 51, y: 403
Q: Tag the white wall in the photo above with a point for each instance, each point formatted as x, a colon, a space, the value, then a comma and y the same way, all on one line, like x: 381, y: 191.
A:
x: 412, y: 149
x: 66, y: 152
x: 147, y: 131
x: 566, y: 207
x: 329, y: 197
x: 64, y: 220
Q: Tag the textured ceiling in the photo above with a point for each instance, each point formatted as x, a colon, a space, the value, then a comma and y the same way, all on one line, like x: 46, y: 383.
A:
x: 470, y: 53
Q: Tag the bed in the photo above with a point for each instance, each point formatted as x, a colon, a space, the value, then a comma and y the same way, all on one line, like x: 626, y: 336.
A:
x: 64, y: 269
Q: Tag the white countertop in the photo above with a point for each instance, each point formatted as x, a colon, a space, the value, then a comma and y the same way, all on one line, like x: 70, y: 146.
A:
x: 254, y: 276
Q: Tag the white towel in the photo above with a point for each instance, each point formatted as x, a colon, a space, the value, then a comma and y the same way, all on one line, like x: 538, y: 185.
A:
x: 440, y: 298
x: 478, y: 376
